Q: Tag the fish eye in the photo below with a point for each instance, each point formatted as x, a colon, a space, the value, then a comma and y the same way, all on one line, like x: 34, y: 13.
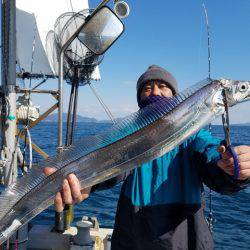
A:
x: 243, y: 87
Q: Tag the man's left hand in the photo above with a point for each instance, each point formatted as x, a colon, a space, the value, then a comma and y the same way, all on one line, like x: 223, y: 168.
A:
x: 227, y: 163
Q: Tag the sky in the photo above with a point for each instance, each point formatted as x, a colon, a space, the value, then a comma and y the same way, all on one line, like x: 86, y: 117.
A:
x: 171, y: 34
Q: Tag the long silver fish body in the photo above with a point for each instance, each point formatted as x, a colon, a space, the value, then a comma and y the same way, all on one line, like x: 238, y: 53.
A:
x: 143, y: 136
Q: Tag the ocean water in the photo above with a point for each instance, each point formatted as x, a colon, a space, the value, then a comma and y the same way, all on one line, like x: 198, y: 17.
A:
x: 231, y: 213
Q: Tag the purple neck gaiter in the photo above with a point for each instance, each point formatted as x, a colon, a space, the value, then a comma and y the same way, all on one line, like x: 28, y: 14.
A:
x: 153, y: 98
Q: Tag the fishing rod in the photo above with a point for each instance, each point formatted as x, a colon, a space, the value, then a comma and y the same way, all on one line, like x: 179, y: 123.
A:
x: 225, y: 116
x: 210, y: 218
x: 225, y: 123
x: 227, y: 142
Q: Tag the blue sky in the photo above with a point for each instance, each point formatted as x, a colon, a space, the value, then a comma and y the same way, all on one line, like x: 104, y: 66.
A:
x: 171, y: 34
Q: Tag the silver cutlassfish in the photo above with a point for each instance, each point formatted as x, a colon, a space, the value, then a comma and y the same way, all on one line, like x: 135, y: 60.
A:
x: 143, y: 136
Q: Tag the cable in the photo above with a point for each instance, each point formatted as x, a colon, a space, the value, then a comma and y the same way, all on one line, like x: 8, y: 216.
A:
x: 40, y: 83
x: 106, y: 109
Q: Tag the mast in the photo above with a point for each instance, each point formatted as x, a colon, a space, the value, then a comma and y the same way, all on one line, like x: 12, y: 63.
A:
x: 8, y: 75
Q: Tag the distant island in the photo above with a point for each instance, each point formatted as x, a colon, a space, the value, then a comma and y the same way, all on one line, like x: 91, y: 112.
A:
x: 234, y: 124
x: 54, y: 117
x: 242, y: 124
x: 79, y: 118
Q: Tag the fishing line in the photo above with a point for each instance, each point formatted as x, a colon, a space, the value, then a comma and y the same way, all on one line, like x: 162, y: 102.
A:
x: 200, y: 44
x: 208, y: 42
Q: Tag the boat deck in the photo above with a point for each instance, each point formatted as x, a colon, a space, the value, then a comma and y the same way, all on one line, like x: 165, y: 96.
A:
x: 42, y: 237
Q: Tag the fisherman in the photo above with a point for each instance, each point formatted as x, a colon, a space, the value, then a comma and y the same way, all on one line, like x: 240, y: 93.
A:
x: 161, y: 203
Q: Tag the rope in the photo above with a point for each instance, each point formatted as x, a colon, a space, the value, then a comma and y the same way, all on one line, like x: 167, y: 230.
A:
x: 29, y: 93
x: 30, y: 144
x: 30, y: 149
x: 15, y: 152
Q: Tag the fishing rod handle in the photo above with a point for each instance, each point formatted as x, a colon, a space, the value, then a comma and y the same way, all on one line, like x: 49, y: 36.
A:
x: 236, y: 162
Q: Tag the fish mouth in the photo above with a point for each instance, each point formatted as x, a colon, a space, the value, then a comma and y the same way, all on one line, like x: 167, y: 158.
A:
x: 247, y: 98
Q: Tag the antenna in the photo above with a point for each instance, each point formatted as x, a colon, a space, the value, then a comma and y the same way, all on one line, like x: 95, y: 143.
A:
x: 208, y: 42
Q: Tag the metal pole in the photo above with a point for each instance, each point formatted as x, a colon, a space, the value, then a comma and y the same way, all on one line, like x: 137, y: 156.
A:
x: 8, y: 75
x: 60, y: 101
x: 104, y: 2
x: 69, y: 114
x: 74, y: 110
x: 8, y: 83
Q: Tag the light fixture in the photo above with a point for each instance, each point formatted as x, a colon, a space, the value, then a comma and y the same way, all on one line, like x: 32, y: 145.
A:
x: 121, y: 9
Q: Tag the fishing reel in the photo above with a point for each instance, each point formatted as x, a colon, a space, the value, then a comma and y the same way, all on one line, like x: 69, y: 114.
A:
x: 121, y: 9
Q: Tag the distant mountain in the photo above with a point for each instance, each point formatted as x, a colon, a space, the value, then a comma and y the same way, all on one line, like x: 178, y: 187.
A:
x: 54, y: 117
x: 242, y: 124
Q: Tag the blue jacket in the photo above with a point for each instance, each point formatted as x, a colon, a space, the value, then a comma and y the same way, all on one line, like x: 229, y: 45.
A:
x: 173, y: 177
x: 160, y: 205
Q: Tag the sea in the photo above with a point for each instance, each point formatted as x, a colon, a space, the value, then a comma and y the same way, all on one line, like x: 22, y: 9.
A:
x: 231, y: 214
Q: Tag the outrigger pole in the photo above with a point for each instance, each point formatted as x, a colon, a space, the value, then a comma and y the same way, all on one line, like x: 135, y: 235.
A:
x: 8, y: 77
x: 60, y: 81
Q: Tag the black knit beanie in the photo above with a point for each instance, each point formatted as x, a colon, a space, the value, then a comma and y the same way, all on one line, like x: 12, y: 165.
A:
x: 155, y: 72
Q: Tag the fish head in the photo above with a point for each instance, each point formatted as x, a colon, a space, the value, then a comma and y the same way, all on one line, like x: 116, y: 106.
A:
x: 236, y: 91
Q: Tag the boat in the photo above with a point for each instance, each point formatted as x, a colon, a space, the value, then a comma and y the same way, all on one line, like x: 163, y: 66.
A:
x: 51, y: 43
x: 34, y: 45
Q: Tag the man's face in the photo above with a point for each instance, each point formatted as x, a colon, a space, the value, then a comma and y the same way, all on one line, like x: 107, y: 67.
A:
x: 156, y: 88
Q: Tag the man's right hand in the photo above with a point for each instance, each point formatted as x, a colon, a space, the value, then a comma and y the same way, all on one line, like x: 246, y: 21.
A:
x: 71, y: 192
